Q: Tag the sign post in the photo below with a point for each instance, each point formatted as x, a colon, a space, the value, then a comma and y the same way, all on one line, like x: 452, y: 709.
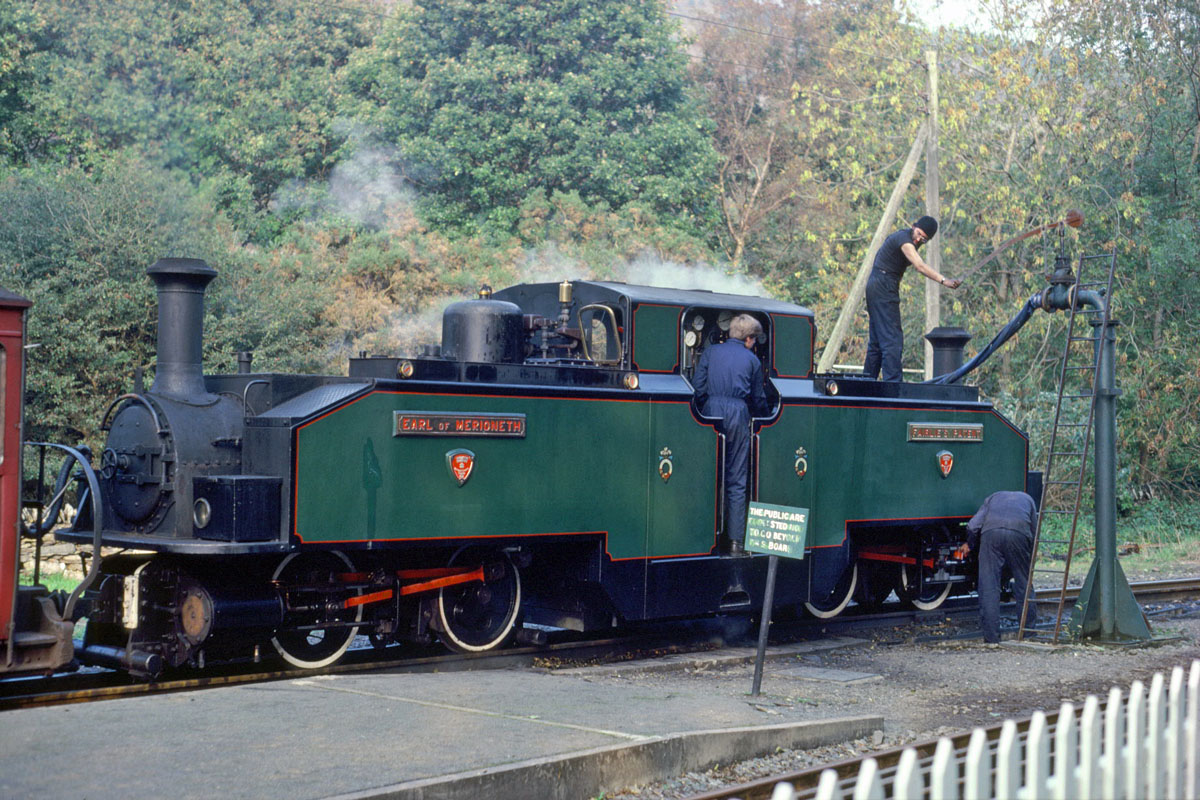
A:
x: 776, y: 531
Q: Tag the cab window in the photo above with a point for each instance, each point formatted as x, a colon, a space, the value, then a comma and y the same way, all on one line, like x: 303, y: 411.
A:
x: 601, y: 334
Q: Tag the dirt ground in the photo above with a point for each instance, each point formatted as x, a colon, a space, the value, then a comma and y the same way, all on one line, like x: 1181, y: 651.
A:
x: 923, y: 690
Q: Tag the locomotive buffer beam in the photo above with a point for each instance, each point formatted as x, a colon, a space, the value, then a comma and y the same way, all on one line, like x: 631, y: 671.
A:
x: 136, y: 662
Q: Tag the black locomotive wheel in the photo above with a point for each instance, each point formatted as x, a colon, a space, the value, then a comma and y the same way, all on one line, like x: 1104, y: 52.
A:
x: 305, y: 580
x: 476, y: 617
x: 925, y: 597
x: 838, y: 599
x: 876, y: 579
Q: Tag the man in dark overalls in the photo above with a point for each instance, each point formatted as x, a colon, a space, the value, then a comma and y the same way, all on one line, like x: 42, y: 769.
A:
x: 1001, y: 532
x: 729, y: 385
x: 885, y: 336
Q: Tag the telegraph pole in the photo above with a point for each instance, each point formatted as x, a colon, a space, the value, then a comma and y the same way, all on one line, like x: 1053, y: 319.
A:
x: 859, y: 287
x: 933, y: 207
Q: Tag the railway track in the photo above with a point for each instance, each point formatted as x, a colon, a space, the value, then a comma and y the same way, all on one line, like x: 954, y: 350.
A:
x: 805, y: 782
x: 107, y: 685
x: 1164, y: 590
x: 697, y: 636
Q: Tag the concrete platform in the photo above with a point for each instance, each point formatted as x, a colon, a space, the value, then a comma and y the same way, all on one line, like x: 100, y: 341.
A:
x: 500, y: 734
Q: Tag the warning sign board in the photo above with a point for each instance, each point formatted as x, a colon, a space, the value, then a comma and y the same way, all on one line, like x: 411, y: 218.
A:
x: 776, y: 530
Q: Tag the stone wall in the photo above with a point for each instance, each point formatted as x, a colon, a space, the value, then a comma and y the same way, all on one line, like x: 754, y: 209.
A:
x: 58, y: 558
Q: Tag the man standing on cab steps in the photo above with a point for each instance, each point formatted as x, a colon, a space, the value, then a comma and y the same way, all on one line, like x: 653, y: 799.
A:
x: 729, y: 385
x: 885, y: 339
x: 1001, y: 532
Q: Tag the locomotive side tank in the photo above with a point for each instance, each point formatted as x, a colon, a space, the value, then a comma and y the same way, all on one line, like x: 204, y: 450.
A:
x: 549, y: 464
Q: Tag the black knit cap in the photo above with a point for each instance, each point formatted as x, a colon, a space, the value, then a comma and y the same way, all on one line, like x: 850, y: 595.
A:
x: 927, y: 224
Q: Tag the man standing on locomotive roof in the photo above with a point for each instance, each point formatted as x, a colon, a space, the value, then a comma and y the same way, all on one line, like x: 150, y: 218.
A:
x: 885, y: 338
x: 729, y: 385
x: 1001, y: 532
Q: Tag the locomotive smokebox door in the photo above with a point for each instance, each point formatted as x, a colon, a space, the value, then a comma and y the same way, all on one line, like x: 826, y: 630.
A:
x: 236, y: 508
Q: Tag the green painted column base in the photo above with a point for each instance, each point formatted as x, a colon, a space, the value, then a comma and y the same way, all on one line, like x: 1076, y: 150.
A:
x: 1085, y: 623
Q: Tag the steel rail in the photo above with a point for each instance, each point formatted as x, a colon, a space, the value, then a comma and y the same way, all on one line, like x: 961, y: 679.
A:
x: 32, y: 692
x: 1166, y: 589
x: 91, y: 687
x: 805, y: 781
x: 664, y: 638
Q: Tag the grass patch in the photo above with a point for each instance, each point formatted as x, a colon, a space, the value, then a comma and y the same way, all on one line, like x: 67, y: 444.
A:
x: 1156, y: 539
x: 54, y: 582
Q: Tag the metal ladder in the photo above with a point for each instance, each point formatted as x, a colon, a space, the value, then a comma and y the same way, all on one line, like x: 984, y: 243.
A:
x: 1070, y: 443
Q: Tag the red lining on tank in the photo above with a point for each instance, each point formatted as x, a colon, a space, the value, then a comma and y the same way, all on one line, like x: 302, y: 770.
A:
x: 295, y: 466
x: 605, y: 533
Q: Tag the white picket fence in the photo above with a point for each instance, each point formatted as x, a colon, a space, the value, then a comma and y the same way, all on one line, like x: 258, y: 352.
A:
x: 1141, y: 746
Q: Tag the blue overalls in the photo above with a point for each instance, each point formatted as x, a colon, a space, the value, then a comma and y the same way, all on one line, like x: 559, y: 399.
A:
x: 1001, y: 532
x: 729, y: 385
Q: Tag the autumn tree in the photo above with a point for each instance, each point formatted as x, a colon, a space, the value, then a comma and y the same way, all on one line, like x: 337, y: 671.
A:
x: 1091, y: 108
x: 750, y: 56
x: 858, y: 109
x: 1144, y: 60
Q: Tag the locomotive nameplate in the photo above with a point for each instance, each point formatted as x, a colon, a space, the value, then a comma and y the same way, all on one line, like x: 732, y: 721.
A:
x: 454, y: 423
x: 945, y: 432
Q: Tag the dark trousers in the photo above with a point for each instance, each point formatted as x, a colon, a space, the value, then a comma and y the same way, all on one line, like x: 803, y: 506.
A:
x: 885, y: 335
x: 735, y: 424
x: 999, y: 548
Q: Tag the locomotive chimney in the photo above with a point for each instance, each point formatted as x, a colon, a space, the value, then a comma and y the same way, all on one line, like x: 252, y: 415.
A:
x: 180, y: 283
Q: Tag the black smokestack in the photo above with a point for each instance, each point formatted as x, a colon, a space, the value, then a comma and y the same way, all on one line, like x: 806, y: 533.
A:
x: 180, y: 283
x: 948, y: 345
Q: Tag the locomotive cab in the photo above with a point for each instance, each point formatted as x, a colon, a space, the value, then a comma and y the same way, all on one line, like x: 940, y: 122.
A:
x: 702, y: 328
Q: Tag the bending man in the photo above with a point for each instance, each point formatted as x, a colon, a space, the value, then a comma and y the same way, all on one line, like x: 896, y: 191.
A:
x: 1001, y: 532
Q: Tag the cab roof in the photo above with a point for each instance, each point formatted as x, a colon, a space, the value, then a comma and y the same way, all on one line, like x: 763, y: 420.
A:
x: 661, y: 295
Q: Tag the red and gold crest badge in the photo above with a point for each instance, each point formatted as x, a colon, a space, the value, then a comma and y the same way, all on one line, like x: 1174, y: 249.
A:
x: 665, y: 465
x: 460, y: 464
x: 945, y: 461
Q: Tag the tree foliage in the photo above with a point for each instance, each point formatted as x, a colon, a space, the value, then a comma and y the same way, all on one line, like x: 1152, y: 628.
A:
x: 78, y: 244
x: 747, y: 66
x: 1092, y: 107
x: 491, y: 102
x: 349, y: 167
x: 20, y: 40
x: 240, y: 95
